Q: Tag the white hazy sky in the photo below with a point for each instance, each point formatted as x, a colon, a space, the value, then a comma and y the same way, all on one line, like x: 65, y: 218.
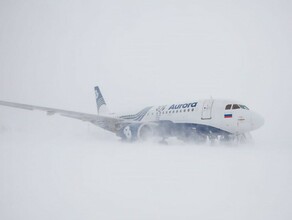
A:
x: 52, y: 53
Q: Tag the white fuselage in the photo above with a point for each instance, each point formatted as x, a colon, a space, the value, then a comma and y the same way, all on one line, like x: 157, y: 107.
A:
x: 208, y: 112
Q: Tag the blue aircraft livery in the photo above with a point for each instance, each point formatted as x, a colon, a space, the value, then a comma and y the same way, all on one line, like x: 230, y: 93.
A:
x: 186, y: 105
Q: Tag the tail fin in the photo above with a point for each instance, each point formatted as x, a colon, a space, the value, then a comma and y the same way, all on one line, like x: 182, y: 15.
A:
x: 100, y: 103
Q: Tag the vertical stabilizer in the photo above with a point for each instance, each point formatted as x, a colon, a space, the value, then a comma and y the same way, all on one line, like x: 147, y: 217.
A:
x: 100, y: 103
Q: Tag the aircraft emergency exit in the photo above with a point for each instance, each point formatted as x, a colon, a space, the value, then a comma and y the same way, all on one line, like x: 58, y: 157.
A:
x: 199, y: 121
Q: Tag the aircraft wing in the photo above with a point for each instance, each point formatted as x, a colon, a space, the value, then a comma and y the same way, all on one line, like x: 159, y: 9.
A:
x: 105, y: 122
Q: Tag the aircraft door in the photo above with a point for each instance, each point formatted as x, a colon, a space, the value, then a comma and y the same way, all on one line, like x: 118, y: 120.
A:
x: 207, y: 109
x: 159, y: 109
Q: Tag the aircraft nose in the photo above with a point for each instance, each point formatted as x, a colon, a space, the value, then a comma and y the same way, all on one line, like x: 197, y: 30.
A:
x: 257, y: 121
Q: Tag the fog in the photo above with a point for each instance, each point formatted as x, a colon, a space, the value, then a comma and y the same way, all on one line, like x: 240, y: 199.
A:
x: 141, y: 53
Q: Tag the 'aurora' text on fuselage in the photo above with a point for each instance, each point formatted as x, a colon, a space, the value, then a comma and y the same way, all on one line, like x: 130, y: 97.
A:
x: 187, y: 105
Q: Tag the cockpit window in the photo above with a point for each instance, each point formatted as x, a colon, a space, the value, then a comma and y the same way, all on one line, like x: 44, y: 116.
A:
x: 235, y: 106
x: 228, y: 107
x: 244, y: 107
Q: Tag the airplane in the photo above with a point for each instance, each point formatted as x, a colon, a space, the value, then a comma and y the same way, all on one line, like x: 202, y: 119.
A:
x: 198, y: 121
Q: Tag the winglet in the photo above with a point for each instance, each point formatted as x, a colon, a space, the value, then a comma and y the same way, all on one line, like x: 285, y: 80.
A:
x: 100, y: 103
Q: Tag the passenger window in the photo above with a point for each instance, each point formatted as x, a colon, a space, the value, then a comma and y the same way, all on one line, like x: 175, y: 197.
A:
x: 235, y: 106
x: 228, y: 107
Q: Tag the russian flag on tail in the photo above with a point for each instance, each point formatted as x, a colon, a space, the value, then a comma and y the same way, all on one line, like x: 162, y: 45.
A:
x: 227, y: 115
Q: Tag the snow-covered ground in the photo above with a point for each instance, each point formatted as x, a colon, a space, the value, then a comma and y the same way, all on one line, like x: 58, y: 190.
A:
x: 85, y: 173
x: 141, y: 53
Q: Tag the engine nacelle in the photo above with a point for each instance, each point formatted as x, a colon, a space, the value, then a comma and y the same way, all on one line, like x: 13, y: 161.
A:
x: 133, y: 132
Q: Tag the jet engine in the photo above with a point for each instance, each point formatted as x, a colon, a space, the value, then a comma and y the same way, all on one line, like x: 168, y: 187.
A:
x: 133, y: 132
